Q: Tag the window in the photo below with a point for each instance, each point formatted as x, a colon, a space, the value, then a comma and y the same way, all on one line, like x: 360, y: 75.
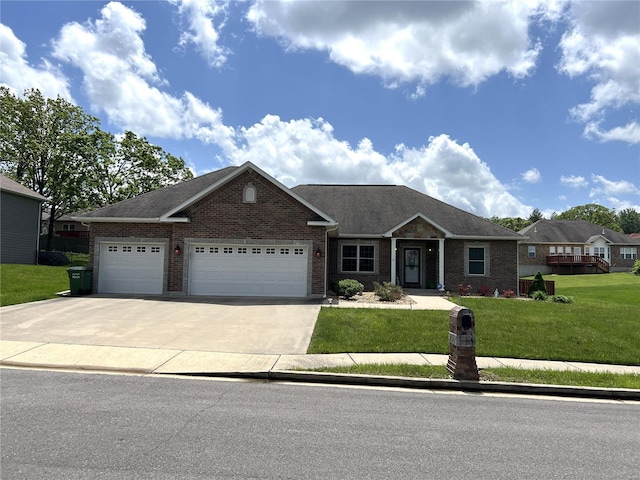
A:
x: 68, y: 227
x: 532, y: 251
x: 271, y: 251
x: 284, y: 251
x: 227, y: 250
x: 126, y: 249
x: 358, y: 258
x: 598, y: 251
x: 476, y: 261
x: 552, y: 250
x: 242, y: 250
x: 587, y: 250
x: 298, y: 251
x: 213, y: 249
x: 155, y: 249
x: 199, y: 249
x: 113, y: 248
x: 256, y: 251
x: 628, y: 253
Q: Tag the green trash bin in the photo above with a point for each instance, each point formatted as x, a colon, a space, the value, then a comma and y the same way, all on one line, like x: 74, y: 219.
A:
x: 80, y: 280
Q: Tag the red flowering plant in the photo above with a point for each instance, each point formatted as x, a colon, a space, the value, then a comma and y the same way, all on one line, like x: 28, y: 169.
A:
x: 463, y: 290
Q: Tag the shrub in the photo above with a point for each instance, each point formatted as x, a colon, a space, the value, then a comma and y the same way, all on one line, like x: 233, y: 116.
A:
x: 538, y: 295
x: 485, y: 291
x: 387, y: 292
x: 636, y: 267
x: 349, y: 287
x: 537, y: 285
x: 561, y: 299
x: 55, y: 259
x: 464, y: 290
x: 508, y: 294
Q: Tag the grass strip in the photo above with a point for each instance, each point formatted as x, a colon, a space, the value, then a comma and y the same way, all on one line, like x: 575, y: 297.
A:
x: 509, y: 375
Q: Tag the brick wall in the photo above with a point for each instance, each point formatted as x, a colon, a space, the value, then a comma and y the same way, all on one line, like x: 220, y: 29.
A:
x: 383, y: 263
x: 222, y: 215
x: 502, y: 265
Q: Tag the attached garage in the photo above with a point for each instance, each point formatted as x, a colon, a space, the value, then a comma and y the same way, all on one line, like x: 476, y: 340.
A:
x: 249, y: 270
x: 131, y: 268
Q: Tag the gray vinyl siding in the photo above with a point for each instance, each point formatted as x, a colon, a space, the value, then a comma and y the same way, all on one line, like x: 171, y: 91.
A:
x: 20, y: 228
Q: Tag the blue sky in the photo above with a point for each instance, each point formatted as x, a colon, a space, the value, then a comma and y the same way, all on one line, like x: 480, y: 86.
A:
x: 495, y: 107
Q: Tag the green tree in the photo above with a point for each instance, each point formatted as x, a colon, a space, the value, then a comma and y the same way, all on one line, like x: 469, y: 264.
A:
x: 43, y: 146
x: 629, y: 220
x: 132, y: 166
x: 512, y: 223
x: 593, y: 213
x: 535, y: 216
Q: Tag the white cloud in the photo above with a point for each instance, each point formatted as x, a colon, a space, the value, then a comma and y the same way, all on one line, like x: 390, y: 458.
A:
x: 574, y: 181
x: 18, y: 75
x: 121, y: 79
x: 306, y: 151
x: 604, y: 44
x: 532, y: 176
x: 610, y: 187
x: 203, y: 32
x: 418, y: 42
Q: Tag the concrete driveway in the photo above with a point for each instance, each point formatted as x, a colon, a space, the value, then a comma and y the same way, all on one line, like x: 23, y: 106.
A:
x: 258, y: 326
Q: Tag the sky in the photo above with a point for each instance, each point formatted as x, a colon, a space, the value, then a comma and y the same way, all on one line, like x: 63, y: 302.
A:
x: 495, y: 107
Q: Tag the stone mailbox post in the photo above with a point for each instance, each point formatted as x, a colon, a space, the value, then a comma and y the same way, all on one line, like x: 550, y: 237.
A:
x: 462, y: 344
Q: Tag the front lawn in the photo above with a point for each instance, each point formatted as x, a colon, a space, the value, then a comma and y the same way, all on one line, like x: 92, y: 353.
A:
x: 602, y: 325
x: 29, y: 283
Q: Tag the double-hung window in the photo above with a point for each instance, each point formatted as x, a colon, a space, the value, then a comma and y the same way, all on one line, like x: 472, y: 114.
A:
x: 628, y: 253
x: 476, y: 261
x: 358, y: 258
x: 532, y: 251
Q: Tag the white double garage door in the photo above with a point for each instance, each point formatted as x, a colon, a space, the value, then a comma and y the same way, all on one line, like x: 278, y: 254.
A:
x: 222, y: 270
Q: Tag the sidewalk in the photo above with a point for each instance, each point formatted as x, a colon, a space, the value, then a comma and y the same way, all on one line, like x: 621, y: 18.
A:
x: 289, y: 367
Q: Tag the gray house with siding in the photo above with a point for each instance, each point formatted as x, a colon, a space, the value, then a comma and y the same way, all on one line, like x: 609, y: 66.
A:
x: 19, y: 222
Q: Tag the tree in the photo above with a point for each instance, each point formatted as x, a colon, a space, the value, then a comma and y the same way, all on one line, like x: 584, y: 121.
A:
x: 58, y: 150
x: 512, y: 223
x: 133, y: 166
x: 629, y: 220
x: 535, y: 216
x: 593, y: 213
x: 43, y: 146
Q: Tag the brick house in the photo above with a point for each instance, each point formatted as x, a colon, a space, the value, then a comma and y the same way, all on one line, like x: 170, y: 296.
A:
x: 239, y: 232
x: 575, y: 246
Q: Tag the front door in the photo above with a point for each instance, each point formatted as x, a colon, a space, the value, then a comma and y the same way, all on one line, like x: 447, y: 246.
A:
x: 411, y: 266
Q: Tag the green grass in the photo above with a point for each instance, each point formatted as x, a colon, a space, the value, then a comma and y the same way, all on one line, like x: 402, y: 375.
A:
x: 512, y: 375
x: 602, y: 325
x: 29, y: 283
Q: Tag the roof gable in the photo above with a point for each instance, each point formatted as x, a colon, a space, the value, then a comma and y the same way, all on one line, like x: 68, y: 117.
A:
x: 168, y: 204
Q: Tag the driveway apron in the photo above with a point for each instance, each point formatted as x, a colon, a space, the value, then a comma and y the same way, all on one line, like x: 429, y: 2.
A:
x: 259, y: 326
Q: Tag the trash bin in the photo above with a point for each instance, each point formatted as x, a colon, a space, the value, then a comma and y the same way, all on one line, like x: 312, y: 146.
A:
x: 80, y: 280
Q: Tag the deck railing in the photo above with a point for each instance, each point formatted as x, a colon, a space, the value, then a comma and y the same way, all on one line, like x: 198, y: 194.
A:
x: 579, y: 260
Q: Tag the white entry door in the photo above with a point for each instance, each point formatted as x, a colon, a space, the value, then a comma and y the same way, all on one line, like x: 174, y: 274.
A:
x: 131, y: 268
x: 248, y: 270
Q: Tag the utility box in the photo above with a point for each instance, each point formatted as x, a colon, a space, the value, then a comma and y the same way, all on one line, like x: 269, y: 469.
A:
x: 80, y: 280
x: 462, y: 344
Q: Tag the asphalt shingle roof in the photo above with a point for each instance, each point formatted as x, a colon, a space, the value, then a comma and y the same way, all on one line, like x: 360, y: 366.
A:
x: 572, y: 231
x: 376, y: 209
x: 159, y: 202
x: 9, y: 185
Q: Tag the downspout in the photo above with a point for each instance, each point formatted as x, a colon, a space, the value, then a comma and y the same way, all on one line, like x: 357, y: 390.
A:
x: 39, y: 231
x: 326, y: 260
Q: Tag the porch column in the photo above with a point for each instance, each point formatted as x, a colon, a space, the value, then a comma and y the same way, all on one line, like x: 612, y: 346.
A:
x: 441, y: 262
x: 393, y: 260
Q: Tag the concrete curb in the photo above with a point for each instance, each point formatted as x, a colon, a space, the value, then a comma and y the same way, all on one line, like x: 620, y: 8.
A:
x: 429, y: 384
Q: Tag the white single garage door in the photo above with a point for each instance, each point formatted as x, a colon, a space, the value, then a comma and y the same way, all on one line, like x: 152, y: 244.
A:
x: 248, y: 270
x: 131, y: 268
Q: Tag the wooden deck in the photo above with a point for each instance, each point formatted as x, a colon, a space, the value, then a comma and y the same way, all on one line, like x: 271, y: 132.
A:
x: 577, y: 264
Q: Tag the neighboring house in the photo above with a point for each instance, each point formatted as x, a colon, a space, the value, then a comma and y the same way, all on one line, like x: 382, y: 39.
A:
x: 575, y: 246
x: 65, y: 226
x: 239, y: 232
x: 20, y: 209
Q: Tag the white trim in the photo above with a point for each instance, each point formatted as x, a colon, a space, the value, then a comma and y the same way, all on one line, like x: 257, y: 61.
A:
x: 446, y: 232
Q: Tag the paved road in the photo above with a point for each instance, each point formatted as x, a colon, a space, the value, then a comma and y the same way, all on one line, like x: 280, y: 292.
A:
x: 67, y: 425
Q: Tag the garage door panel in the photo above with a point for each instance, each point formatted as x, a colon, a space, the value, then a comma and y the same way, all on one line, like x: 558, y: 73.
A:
x: 131, y: 268
x: 252, y: 270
